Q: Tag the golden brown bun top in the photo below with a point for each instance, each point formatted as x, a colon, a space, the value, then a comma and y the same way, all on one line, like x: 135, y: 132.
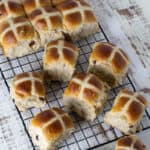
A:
x: 109, y: 54
x: 85, y: 86
x: 130, y: 104
x: 131, y: 142
x: 14, y: 30
x: 30, y: 5
x: 61, y: 51
x: 76, y: 13
x: 53, y: 123
x: 10, y: 8
x: 28, y: 84
x: 57, y: 2
x: 46, y: 18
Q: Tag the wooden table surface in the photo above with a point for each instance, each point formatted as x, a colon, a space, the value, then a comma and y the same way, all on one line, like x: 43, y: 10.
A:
x: 127, y: 24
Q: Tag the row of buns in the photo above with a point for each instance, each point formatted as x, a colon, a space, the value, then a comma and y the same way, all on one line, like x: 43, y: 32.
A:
x: 27, y: 25
x: 107, y: 63
x: 86, y: 93
x: 51, y: 127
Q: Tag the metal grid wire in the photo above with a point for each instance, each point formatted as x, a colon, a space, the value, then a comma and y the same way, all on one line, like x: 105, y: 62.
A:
x: 87, y: 135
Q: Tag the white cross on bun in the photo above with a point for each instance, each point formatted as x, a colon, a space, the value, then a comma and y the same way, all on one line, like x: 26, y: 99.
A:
x: 79, y: 19
x: 50, y: 127
x: 109, y: 63
x: 10, y: 9
x: 86, y: 95
x: 31, y: 5
x: 18, y: 37
x: 28, y: 90
x: 60, y: 58
x: 127, y: 111
x: 48, y: 23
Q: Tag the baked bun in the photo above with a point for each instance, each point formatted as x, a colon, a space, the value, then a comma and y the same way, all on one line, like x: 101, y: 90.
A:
x: 109, y: 63
x: 126, y: 112
x: 78, y: 18
x: 60, y: 60
x: 28, y: 90
x: 31, y: 5
x: 10, y: 9
x: 57, y: 2
x: 131, y: 142
x: 18, y: 37
x: 50, y: 127
x: 86, y: 95
x: 48, y: 23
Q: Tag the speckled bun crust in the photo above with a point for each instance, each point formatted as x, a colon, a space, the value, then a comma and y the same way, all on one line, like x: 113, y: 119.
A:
x: 127, y: 110
x: 18, y: 37
x: 28, y: 90
x: 86, y: 95
x: 48, y: 23
x: 79, y: 19
x: 50, y: 127
x: 60, y: 58
x: 131, y: 142
x: 109, y: 63
x: 10, y: 9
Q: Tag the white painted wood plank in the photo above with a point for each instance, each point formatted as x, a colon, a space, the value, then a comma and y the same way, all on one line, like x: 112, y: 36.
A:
x: 12, y: 134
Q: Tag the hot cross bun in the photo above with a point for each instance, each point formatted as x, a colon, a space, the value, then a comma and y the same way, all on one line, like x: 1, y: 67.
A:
x: 79, y: 19
x: 109, y: 63
x: 127, y: 111
x: 57, y: 2
x: 28, y: 90
x: 50, y: 127
x: 18, y: 37
x: 131, y: 142
x: 48, y: 23
x: 31, y: 5
x: 60, y: 60
x: 86, y: 95
x: 10, y: 9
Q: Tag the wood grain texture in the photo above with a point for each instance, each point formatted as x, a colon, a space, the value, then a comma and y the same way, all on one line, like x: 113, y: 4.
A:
x: 12, y: 134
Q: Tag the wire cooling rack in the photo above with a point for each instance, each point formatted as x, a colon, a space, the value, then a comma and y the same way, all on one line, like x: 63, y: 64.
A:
x: 88, y: 135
